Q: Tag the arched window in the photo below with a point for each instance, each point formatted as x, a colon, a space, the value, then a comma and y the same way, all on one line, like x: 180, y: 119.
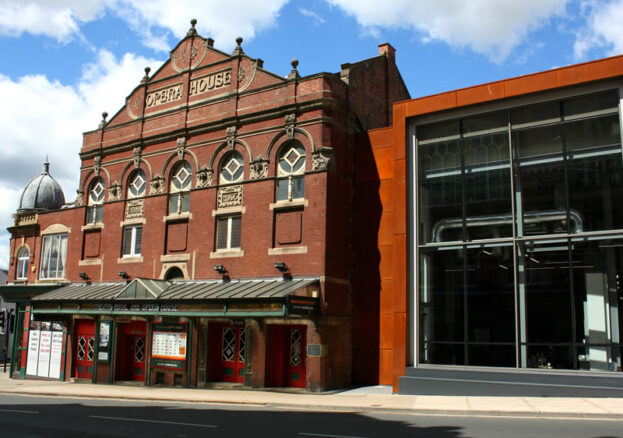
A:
x: 290, y: 173
x: 137, y: 185
x: 232, y: 168
x: 179, y: 188
x: 96, y: 201
x: 174, y: 273
x: 23, y: 257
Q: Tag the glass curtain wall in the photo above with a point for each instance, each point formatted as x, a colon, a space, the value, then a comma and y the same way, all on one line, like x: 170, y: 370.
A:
x: 520, y: 237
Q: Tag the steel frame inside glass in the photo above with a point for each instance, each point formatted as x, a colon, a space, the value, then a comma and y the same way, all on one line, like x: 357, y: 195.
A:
x: 519, y: 282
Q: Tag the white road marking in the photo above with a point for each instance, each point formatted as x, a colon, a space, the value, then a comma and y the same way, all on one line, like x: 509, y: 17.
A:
x: 18, y: 411
x: 153, y: 421
x: 324, y: 435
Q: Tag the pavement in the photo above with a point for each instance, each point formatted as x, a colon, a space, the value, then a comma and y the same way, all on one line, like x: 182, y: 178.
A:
x: 366, y: 399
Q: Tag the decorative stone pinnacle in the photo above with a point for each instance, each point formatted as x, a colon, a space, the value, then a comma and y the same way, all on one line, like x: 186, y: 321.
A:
x: 238, y: 50
x: 294, y: 74
x: 146, y: 77
x: 103, y: 122
x: 192, y: 30
x: 46, y: 165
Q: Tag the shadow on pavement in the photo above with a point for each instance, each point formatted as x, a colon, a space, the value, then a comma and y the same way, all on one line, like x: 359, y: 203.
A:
x: 102, y: 419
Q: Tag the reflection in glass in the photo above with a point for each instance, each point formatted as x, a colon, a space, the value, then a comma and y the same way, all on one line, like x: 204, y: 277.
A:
x: 442, y: 305
x: 441, y: 198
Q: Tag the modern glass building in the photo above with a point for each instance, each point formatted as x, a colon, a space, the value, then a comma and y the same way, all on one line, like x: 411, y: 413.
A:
x: 504, y: 265
x: 519, y: 233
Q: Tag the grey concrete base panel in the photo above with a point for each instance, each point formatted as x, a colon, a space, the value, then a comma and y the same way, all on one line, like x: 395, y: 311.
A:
x: 509, y: 382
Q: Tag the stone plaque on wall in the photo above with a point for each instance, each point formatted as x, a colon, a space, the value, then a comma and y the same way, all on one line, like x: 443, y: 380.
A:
x: 229, y: 197
x: 134, y: 209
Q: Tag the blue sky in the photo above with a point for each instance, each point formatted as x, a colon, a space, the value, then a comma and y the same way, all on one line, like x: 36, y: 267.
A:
x: 65, y: 61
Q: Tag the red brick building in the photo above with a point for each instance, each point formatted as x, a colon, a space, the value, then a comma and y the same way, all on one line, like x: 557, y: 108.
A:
x: 210, y: 240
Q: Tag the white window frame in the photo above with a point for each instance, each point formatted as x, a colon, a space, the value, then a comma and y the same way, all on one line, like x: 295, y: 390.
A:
x: 180, y: 193
x: 133, y: 229
x: 21, y: 272
x: 95, y: 207
x: 50, y: 243
x: 225, y: 175
x: 143, y: 189
x: 285, y: 170
x: 228, y: 230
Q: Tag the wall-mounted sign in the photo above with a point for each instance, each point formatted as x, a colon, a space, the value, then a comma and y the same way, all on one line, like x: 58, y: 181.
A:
x: 134, y: 307
x: 169, y: 345
x: 302, y: 305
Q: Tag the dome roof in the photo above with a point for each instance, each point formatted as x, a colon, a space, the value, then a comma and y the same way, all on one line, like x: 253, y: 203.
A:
x: 42, y: 193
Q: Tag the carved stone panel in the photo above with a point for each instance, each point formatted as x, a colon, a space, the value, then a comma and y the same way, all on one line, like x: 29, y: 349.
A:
x: 229, y: 197
x: 156, y: 185
x: 114, y: 192
x: 204, y: 177
x: 322, y: 158
x: 258, y: 168
x: 134, y: 209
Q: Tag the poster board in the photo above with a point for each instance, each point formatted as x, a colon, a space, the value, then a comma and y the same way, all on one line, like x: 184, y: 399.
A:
x: 33, y: 352
x: 43, y: 363
x: 169, y: 345
x: 103, y: 350
x: 56, y: 355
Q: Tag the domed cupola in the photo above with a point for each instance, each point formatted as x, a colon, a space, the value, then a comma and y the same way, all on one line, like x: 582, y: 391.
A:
x: 43, y: 193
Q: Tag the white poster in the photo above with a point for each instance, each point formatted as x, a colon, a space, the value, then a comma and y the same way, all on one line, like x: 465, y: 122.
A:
x: 33, y: 353
x: 45, y: 342
x: 169, y: 345
x: 56, y: 355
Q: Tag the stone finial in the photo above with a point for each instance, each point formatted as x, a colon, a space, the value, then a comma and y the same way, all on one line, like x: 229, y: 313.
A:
x: 238, y: 50
x: 146, y: 77
x: 46, y: 165
x: 294, y: 74
x: 103, y: 122
x: 192, y: 30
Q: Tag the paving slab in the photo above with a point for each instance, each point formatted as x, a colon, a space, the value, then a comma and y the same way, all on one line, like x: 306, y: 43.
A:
x: 366, y: 399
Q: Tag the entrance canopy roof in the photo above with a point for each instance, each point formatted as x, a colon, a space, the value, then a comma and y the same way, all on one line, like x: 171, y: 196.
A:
x: 141, y: 289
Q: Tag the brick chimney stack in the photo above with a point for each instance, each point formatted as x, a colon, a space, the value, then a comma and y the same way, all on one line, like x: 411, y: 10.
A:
x: 387, y: 50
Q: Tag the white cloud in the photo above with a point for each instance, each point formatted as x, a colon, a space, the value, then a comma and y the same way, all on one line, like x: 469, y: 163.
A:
x: 58, y: 19
x: 40, y: 117
x: 220, y: 21
x: 603, y: 28
x: 317, y: 18
x: 491, y: 27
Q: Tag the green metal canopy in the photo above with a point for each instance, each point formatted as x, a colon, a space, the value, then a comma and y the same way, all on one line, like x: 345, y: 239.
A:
x: 21, y: 293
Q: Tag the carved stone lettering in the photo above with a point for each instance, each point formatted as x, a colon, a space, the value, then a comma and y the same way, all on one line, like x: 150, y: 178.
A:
x: 165, y: 95
x: 210, y: 82
x: 229, y: 197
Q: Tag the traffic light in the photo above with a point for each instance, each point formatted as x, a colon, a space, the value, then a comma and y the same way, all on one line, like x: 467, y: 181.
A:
x: 10, y: 321
x: 2, y: 321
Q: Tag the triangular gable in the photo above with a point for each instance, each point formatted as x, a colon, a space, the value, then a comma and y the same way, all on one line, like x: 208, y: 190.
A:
x: 141, y: 288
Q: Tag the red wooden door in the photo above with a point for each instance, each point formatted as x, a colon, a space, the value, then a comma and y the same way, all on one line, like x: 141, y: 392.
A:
x: 84, y: 349
x: 227, y: 353
x: 287, y: 348
x: 132, y: 351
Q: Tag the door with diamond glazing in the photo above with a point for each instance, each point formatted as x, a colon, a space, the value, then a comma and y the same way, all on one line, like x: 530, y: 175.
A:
x: 227, y: 353
x: 84, y: 352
